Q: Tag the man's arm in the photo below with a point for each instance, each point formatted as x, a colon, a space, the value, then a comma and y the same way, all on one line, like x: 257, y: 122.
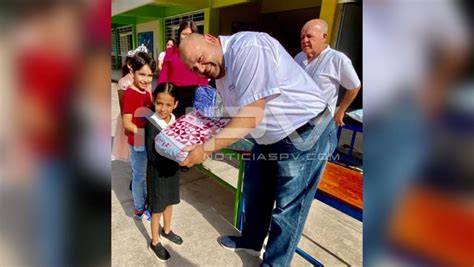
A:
x: 345, y: 103
x: 239, y: 126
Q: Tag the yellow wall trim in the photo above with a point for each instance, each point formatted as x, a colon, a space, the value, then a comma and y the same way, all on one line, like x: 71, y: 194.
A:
x: 328, y: 13
x: 271, y: 6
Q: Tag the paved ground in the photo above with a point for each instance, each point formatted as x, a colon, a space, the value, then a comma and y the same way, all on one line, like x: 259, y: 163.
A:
x: 205, y: 213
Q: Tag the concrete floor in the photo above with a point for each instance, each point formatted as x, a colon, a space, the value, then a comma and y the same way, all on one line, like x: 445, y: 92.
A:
x: 205, y: 213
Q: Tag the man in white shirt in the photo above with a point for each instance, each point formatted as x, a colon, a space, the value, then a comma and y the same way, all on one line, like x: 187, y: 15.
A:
x: 269, y: 97
x: 328, y: 68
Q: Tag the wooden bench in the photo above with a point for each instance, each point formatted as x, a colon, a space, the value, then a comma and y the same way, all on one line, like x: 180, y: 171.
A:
x: 341, y: 188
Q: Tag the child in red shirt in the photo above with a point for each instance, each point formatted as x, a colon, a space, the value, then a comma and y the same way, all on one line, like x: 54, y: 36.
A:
x: 136, y: 105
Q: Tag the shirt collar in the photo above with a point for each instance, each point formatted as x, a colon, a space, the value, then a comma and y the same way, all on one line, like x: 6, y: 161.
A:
x: 325, y: 50
x: 162, y: 123
x: 224, y: 42
x: 305, y: 61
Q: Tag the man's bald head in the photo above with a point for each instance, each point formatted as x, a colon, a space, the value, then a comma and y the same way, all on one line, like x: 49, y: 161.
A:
x: 203, y: 54
x: 314, y: 37
x: 318, y: 24
x: 191, y: 39
x: 186, y: 47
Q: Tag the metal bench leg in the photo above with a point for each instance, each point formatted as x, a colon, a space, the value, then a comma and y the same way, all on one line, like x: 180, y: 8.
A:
x: 308, y: 257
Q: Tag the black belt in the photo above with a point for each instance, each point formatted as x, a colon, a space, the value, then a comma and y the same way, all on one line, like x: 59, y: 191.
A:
x: 305, y: 127
x: 310, y: 123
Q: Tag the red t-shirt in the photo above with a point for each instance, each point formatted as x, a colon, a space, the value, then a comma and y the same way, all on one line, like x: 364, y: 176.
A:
x: 46, y: 79
x: 174, y: 71
x: 133, y: 100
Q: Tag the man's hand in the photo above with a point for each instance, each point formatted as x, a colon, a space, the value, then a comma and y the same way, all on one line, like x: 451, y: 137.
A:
x: 239, y: 126
x: 339, y: 116
x: 345, y: 103
x: 197, y: 155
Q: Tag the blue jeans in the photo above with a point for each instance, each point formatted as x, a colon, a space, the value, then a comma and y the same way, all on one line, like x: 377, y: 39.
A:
x: 138, y: 160
x: 53, y: 200
x: 283, y: 174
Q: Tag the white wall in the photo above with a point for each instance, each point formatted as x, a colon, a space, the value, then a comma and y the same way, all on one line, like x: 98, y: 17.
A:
x: 153, y: 26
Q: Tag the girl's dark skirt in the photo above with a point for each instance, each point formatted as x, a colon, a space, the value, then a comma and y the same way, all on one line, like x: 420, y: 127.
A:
x: 162, y: 191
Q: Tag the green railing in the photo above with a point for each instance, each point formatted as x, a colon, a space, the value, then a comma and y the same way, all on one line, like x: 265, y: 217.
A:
x: 237, y: 151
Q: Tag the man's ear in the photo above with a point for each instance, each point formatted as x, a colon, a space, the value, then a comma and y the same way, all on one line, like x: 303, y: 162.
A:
x: 211, y: 39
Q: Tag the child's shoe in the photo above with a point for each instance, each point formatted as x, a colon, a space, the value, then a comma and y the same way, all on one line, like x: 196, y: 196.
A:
x: 137, y: 215
x: 147, y: 215
x: 176, y: 239
x: 161, y: 253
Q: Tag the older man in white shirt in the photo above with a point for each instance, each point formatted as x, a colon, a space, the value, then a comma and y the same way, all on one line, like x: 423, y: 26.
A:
x: 270, y: 97
x: 328, y: 68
